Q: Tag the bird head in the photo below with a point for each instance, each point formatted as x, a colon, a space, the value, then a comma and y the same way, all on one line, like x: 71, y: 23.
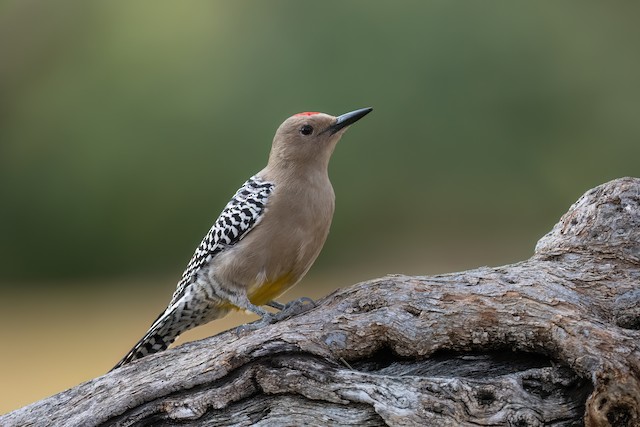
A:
x: 310, y: 137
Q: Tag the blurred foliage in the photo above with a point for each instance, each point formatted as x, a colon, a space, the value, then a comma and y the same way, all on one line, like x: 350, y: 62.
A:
x: 126, y: 126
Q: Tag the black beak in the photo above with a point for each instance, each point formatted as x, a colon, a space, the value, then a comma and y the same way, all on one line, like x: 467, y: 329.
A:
x: 348, y: 119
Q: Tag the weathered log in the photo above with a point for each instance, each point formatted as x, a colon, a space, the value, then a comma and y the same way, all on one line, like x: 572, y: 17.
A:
x: 553, y: 340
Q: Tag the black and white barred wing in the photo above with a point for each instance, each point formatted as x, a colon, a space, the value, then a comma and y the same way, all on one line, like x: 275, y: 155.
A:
x: 243, y: 212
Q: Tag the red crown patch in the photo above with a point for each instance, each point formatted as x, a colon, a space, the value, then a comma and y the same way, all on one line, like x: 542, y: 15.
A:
x: 308, y: 113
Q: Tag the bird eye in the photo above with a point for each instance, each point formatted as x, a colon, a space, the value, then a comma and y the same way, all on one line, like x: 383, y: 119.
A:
x: 306, y: 130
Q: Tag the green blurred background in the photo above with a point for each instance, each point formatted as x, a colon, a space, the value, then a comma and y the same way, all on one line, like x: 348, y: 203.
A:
x: 126, y: 126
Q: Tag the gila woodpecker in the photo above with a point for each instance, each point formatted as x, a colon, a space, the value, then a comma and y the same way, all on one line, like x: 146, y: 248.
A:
x: 266, y: 238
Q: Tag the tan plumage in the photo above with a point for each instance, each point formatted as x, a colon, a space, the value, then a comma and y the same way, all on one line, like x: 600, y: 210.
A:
x: 266, y: 238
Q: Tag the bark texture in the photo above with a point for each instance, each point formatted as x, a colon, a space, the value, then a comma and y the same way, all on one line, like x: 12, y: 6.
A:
x: 553, y: 340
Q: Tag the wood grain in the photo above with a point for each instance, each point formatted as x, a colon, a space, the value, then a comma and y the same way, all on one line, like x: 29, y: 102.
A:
x: 553, y: 340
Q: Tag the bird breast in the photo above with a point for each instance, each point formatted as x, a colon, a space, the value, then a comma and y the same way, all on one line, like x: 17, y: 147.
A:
x: 281, y: 248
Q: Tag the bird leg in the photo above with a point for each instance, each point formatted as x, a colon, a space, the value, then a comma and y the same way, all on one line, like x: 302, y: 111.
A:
x: 277, y: 305
x: 266, y: 318
x: 292, y: 308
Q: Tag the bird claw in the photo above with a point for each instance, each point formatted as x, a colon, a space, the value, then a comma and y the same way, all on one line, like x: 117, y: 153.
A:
x: 295, y: 307
x: 288, y: 310
x: 266, y: 319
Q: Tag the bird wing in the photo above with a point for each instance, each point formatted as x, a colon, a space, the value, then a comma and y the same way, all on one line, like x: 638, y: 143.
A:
x: 243, y: 212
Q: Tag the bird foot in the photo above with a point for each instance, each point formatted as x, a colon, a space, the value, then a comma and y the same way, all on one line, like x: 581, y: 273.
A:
x: 266, y: 319
x: 288, y: 310
x: 294, y: 308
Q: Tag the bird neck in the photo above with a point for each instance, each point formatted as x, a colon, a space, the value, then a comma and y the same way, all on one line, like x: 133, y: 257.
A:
x: 294, y: 173
x: 296, y: 169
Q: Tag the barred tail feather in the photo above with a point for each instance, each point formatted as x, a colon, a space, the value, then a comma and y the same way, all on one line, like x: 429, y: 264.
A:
x: 159, y: 337
x: 177, y: 319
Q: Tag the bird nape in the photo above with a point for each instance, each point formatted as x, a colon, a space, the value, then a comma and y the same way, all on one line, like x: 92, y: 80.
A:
x: 266, y: 238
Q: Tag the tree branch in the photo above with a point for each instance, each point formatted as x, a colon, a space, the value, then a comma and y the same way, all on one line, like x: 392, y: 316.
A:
x: 552, y: 340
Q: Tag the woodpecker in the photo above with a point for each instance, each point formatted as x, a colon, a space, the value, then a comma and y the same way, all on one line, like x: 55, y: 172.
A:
x: 266, y: 238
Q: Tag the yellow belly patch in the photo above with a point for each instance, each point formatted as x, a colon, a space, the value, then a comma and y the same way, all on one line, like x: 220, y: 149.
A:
x: 270, y: 290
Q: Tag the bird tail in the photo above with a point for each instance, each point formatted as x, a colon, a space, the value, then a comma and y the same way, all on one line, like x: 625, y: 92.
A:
x: 160, y: 335
x: 178, y: 318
